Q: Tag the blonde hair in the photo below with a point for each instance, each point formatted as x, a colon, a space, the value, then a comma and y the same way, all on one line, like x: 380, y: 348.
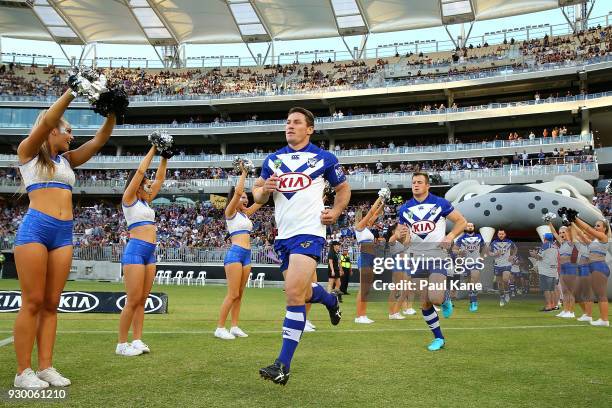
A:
x: 44, y: 164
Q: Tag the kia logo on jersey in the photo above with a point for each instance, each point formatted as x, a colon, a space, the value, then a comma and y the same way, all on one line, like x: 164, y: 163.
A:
x: 291, y: 182
x: 423, y: 227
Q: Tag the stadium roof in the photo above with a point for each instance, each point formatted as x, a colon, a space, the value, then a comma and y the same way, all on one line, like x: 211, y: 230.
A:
x: 172, y: 22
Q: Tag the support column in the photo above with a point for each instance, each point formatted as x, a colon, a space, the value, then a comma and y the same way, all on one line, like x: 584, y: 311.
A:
x: 586, y: 121
x: 451, y: 132
x: 332, y: 144
x: 119, y: 150
x: 332, y: 108
x: 450, y: 97
x: 223, y: 148
x: 584, y: 82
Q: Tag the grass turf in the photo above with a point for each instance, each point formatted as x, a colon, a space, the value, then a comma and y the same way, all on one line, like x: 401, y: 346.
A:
x: 506, y: 357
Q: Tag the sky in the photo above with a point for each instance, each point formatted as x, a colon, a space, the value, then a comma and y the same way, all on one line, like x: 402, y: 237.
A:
x: 552, y: 17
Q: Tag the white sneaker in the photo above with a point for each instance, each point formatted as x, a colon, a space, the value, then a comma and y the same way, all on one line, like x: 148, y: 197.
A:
x: 28, y: 379
x: 139, y: 345
x: 585, y: 318
x: 308, y: 329
x: 600, y: 322
x: 237, y: 332
x: 562, y: 314
x: 309, y: 324
x: 126, y: 349
x: 409, y: 312
x: 54, y: 378
x: 222, y: 333
x: 569, y: 315
x: 396, y: 316
x: 363, y: 320
x: 436, y: 308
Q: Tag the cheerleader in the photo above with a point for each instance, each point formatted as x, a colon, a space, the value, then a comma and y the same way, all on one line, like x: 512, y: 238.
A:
x: 43, y: 245
x: 600, y: 271
x: 584, y: 292
x: 138, y: 259
x: 365, y: 239
x: 568, y: 269
x: 237, y: 262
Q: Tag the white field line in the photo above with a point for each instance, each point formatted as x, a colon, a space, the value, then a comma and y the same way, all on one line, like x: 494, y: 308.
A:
x: 556, y: 326
x: 6, y: 342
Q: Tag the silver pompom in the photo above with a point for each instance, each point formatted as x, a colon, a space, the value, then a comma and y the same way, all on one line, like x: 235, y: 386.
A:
x: 548, y: 217
x: 385, y: 194
x: 86, y: 82
x: 166, y: 140
x: 161, y: 139
x: 246, y: 163
x: 609, y: 188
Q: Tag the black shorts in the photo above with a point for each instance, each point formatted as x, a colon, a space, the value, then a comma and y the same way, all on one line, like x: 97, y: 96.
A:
x: 337, y: 274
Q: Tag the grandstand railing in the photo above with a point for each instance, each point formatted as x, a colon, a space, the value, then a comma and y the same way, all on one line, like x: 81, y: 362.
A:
x: 113, y: 253
x: 504, y: 71
x: 382, y: 51
x: 587, y: 139
x: 364, y: 180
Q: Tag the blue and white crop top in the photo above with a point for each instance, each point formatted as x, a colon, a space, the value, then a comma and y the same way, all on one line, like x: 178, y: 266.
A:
x: 566, y: 248
x: 583, y: 252
x: 365, y: 235
x: 598, y: 248
x: 63, y: 177
x: 239, y: 224
x: 137, y: 214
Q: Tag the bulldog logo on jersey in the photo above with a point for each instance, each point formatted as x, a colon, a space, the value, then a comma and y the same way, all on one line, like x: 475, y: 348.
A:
x: 312, y: 162
x: 305, y: 244
x: 435, y: 210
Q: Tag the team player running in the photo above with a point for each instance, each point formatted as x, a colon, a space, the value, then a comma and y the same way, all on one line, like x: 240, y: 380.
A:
x: 425, y: 218
x: 295, y: 177
x: 502, y: 249
x: 471, y: 246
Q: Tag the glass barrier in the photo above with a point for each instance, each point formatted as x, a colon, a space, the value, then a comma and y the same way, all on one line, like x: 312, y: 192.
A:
x: 587, y: 139
x: 527, y: 168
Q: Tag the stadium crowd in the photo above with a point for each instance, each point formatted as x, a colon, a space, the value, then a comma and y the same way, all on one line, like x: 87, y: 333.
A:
x: 17, y: 79
x: 202, y: 225
x: 196, y: 226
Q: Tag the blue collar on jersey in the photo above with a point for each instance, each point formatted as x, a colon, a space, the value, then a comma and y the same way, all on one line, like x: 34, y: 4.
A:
x: 289, y: 149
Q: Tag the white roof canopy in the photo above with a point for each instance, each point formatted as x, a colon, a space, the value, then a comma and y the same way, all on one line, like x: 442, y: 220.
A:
x: 162, y: 22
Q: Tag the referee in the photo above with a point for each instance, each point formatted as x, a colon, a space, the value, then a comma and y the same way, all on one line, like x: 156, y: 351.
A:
x: 347, y: 271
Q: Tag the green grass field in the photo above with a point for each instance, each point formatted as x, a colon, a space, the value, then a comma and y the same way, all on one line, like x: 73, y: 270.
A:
x: 510, y: 357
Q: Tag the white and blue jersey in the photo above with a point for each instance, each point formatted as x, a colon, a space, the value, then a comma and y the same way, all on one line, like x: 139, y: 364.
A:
x: 427, y: 222
x: 471, y: 245
x: 503, y: 251
x: 298, y: 199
